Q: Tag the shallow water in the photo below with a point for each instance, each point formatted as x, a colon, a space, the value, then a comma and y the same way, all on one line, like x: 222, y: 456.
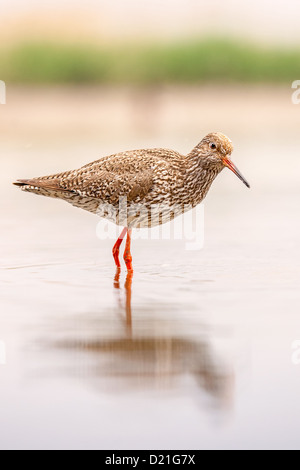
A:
x: 195, y: 350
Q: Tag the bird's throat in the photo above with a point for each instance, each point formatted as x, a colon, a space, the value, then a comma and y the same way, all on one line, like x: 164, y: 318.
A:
x: 200, y: 173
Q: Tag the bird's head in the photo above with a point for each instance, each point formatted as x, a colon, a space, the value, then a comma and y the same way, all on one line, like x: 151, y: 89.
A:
x: 216, y: 149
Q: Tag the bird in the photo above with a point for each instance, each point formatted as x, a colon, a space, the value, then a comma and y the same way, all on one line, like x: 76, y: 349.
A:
x: 140, y: 188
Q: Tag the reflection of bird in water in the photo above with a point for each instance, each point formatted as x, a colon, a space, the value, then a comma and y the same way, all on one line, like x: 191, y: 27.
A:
x: 127, y: 287
x: 155, y: 350
x: 140, y: 188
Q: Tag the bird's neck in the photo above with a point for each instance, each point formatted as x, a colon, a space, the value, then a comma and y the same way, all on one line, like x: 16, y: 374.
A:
x: 200, y: 173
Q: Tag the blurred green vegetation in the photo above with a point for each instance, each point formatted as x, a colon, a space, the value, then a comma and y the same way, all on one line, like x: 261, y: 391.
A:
x: 190, y: 61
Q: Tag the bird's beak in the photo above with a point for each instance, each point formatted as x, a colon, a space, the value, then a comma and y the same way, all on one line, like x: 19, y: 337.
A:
x: 233, y: 168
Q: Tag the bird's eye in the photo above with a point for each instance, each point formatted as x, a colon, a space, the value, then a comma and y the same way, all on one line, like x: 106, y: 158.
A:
x: 212, y: 146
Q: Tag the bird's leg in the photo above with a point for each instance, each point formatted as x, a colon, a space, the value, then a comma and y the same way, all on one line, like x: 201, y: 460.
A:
x: 127, y: 253
x: 116, y: 248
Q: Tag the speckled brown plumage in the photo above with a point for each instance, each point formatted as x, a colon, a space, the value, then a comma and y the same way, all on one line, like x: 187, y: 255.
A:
x: 140, y: 188
x: 149, y: 177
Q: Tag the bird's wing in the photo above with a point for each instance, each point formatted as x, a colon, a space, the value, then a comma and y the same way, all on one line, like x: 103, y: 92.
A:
x: 126, y: 174
x: 109, y: 186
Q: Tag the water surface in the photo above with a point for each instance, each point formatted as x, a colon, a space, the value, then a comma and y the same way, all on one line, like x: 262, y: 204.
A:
x: 192, y: 351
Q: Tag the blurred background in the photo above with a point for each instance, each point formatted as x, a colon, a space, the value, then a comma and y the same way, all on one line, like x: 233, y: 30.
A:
x: 195, y: 350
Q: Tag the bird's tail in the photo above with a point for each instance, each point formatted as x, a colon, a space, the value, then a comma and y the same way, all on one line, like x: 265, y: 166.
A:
x: 45, y: 187
x: 51, y: 186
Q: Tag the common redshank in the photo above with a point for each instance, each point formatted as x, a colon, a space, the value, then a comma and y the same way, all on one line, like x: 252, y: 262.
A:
x: 140, y: 188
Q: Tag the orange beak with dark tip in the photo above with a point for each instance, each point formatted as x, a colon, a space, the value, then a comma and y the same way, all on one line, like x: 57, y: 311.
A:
x: 233, y: 168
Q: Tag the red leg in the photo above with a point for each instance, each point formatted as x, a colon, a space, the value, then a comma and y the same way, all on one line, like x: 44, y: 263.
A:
x: 127, y: 254
x: 116, y: 248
